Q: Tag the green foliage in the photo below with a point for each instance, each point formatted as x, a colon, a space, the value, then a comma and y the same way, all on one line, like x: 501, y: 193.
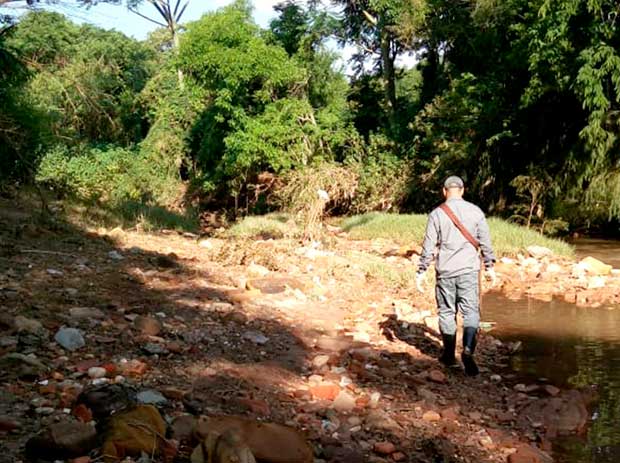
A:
x: 85, y: 79
x: 106, y: 175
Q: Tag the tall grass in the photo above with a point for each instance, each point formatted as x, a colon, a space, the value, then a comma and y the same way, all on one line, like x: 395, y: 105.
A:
x: 508, y: 239
x: 277, y: 225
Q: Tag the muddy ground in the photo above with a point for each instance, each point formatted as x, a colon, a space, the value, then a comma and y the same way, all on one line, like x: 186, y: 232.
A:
x: 267, y: 329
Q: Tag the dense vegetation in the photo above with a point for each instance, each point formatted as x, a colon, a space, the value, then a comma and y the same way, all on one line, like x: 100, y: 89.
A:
x: 522, y: 98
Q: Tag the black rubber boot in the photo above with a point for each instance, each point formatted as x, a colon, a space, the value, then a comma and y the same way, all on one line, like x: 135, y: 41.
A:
x: 449, y: 347
x: 469, y: 346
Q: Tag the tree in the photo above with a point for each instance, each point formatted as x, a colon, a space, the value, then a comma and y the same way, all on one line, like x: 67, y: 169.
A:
x: 381, y: 30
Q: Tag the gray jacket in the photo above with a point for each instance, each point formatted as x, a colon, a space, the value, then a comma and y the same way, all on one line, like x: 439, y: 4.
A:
x: 454, y: 254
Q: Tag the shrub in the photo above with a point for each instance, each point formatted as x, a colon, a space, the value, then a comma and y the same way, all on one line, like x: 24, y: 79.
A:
x: 108, y: 175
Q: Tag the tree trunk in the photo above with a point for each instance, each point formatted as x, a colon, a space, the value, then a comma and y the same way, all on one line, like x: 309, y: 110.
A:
x: 176, y: 44
x: 389, y: 75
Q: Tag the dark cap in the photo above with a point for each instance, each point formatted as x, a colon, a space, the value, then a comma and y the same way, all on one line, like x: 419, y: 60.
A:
x: 453, y: 182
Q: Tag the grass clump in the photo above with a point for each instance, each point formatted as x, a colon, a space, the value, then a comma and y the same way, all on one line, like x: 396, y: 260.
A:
x: 277, y: 225
x: 377, y: 268
x: 508, y: 239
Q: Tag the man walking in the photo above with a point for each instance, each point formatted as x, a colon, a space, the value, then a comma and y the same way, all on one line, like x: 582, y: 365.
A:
x: 455, y: 233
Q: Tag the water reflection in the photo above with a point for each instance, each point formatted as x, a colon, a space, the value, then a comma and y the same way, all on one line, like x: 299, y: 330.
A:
x: 570, y: 346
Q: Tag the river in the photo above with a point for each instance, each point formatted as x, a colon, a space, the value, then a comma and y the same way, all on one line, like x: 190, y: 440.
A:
x: 571, y: 347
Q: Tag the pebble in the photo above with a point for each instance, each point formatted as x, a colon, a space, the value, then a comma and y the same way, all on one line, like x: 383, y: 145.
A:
x: 85, y: 312
x: 151, y: 397
x: 154, y: 349
x: 431, y: 416
x: 320, y: 361
x: 496, y: 379
x: 115, y: 255
x: 437, y: 376
x: 256, y: 337
x: 44, y: 410
x: 384, y: 448
x: 344, y: 402
x: 97, y: 372
x: 70, y: 339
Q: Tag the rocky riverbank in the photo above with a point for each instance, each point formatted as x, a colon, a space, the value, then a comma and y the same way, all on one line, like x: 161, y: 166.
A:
x: 329, y: 341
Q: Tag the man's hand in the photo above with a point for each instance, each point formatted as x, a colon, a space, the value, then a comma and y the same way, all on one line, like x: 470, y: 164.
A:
x: 491, y: 275
x: 420, y: 279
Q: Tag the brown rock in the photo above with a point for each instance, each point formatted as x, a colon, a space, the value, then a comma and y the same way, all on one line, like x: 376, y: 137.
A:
x: 8, y: 424
x: 147, y: 325
x: 325, y: 391
x: 62, y: 440
x: 398, y: 456
x: 450, y: 414
x: 552, y: 390
x: 437, y: 376
x: 431, y: 416
x: 84, y: 459
x: 384, y: 448
x: 173, y: 393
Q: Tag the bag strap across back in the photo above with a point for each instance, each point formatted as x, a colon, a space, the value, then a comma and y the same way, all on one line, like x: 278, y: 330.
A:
x: 475, y: 243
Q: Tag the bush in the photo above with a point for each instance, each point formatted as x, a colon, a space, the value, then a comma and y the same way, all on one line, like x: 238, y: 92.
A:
x: 107, y: 175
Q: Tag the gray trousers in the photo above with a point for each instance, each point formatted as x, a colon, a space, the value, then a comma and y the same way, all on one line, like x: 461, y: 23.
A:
x: 458, y: 294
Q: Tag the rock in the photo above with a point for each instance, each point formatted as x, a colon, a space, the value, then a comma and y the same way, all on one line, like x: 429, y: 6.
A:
x: 596, y: 282
x: 399, y: 456
x: 62, y: 440
x: 325, y: 391
x: 553, y: 268
x: 151, y: 397
x: 7, y: 424
x: 320, y: 361
x: 595, y: 267
x: 256, y: 270
x: 437, y: 376
x: 431, y: 416
x: 97, y: 372
x: 270, y: 285
x: 495, y: 379
x: 551, y: 390
x: 333, y: 344
x: 154, y: 349
x: 380, y: 420
x: 115, y: 255
x: 23, y: 324
x: 384, y: 448
x: 21, y: 366
x: 344, y: 402
x: 70, y: 339
x: 528, y: 454
x: 133, y: 432
x: 538, y: 252
x: 256, y: 337
x: 427, y: 394
x: 205, y: 244
x: 166, y: 261
x: 133, y: 368
x: 564, y: 414
x: 268, y: 442
x: 79, y: 313
x: 147, y: 325
x: 450, y: 414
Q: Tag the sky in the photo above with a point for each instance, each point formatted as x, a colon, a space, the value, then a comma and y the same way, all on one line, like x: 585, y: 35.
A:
x: 118, y: 17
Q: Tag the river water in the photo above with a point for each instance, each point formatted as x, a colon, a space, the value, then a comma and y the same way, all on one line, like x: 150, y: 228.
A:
x: 571, y: 347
